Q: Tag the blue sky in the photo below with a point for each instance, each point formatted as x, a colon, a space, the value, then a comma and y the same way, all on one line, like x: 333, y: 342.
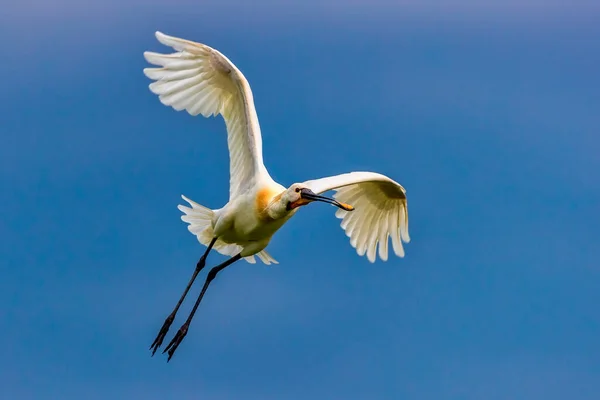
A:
x: 488, y: 116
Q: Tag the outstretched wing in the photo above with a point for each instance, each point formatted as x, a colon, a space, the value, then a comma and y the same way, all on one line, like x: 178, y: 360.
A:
x: 201, y: 80
x: 380, y: 211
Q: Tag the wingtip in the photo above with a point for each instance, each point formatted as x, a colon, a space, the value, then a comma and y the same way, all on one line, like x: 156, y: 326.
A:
x: 162, y: 38
x: 146, y: 55
x: 147, y: 71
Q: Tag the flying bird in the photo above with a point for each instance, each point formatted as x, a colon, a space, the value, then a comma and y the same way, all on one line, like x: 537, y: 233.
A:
x: 201, y: 80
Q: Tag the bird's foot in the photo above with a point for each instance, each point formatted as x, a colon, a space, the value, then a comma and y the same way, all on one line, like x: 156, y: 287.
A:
x: 162, y: 333
x: 176, y: 340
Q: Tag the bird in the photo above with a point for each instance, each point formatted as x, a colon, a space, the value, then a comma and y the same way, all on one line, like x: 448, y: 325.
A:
x: 202, y: 81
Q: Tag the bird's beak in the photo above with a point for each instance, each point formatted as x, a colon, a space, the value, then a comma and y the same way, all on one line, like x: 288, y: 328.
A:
x: 309, y: 195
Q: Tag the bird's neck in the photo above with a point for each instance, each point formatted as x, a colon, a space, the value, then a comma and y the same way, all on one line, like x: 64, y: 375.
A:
x: 277, y: 209
x: 269, y: 202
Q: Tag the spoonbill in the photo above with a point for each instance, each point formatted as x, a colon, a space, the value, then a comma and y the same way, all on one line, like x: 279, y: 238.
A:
x: 201, y: 80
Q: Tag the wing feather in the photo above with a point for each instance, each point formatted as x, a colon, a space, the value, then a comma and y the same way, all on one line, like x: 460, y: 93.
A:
x: 201, y: 80
x: 380, y: 211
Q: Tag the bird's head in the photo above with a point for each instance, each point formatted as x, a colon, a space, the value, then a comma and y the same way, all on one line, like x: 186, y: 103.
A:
x: 299, y: 195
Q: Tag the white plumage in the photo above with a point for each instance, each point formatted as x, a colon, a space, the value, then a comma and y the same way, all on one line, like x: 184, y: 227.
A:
x: 201, y: 80
x: 200, y: 219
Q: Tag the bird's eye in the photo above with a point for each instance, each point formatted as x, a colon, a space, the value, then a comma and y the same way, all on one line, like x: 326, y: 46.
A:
x: 297, y: 189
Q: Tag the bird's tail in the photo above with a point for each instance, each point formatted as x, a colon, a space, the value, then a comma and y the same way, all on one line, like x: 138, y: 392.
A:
x: 200, y: 219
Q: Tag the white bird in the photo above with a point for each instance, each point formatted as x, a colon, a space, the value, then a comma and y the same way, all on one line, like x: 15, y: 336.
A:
x: 201, y: 80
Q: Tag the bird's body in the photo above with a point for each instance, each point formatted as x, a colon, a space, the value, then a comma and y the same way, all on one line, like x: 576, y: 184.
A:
x: 251, y: 219
x: 201, y: 80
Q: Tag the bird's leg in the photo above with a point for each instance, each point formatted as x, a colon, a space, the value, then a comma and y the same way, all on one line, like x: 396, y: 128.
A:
x: 167, y: 324
x: 184, y: 328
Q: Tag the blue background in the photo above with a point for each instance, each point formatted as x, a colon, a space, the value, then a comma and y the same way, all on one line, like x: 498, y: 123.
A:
x: 488, y: 115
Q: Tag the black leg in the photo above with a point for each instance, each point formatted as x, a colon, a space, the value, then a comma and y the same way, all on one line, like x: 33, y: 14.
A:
x: 167, y: 324
x: 184, y: 328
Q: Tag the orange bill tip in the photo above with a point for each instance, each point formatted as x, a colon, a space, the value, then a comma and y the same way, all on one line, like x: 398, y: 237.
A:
x: 347, y: 207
